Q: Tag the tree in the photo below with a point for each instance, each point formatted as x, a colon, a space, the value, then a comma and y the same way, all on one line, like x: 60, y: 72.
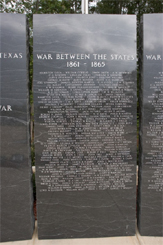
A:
x: 138, y: 7
x: 111, y: 7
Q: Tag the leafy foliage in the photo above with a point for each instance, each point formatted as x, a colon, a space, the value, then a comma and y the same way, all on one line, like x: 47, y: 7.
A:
x: 138, y: 7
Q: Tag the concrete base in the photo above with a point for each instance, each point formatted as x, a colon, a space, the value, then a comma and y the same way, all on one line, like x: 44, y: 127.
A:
x: 135, y: 240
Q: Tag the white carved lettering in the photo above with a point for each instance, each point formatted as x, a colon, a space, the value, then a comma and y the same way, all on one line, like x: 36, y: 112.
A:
x: 15, y: 56
x: 5, y: 108
x: 44, y: 57
x: 153, y: 57
x: 11, y: 55
x: 72, y: 56
x: 100, y: 56
x: 122, y: 57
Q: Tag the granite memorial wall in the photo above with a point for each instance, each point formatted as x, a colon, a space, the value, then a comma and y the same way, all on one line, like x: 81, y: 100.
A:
x: 85, y: 125
x: 150, y: 201
x: 16, y: 200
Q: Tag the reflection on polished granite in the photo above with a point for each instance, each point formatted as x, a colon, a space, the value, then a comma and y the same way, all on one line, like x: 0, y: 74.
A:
x: 150, y: 218
x: 16, y: 201
x: 85, y: 125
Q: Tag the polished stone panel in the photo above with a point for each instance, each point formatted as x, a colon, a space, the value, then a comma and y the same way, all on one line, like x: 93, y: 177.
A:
x: 85, y: 125
x: 16, y: 201
x: 150, y: 202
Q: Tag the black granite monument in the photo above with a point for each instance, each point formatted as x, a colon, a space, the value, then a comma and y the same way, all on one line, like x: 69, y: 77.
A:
x: 85, y: 125
x: 150, y: 202
x: 16, y: 219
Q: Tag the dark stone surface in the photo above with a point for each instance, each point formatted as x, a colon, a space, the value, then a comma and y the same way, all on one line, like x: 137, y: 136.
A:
x: 16, y: 201
x: 150, y: 202
x: 85, y: 125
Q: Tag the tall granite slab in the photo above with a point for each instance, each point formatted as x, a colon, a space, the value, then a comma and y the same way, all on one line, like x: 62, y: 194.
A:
x: 16, y: 201
x: 150, y: 201
x: 85, y: 125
